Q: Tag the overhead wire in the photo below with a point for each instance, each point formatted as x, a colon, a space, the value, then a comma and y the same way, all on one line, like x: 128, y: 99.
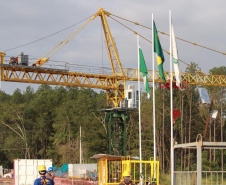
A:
x: 151, y: 42
x: 48, y: 35
x: 66, y: 40
x: 163, y: 33
x: 110, y: 15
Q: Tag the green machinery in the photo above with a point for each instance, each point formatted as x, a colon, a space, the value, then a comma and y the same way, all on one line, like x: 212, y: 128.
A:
x: 116, y: 131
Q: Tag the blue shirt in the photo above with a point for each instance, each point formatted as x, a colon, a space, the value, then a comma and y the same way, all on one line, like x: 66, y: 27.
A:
x: 39, y: 181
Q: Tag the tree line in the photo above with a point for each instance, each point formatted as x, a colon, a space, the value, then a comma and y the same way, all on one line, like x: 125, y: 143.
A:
x: 45, y: 124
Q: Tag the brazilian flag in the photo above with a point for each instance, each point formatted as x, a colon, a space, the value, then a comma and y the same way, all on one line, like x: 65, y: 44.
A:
x: 159, y: 53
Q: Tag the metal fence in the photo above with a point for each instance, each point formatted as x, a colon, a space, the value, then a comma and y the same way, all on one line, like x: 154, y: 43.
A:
x: 208, y: 177
x: 213, y: 177
x: 185, y: 177
x: 62, y: 171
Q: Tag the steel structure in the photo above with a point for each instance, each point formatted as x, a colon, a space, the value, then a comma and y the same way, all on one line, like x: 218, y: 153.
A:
x: 111, y: 168
x: 113, y: 84
x: 116, y: 134
x: 199, y: 145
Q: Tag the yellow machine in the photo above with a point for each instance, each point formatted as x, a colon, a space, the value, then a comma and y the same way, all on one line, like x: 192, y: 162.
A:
x: 111, y: 169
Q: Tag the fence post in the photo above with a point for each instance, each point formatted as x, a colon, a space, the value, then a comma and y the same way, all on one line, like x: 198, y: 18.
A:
x: 180, y: 178
x: 199, y: 162
x: 211, y: 177
x: 217, y: 177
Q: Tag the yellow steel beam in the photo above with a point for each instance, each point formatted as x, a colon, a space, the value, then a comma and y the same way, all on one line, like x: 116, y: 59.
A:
x: 2, y: 55
x: 114, y: 96
x: 54, y: 50
x: 112, y: 50
x: 186, y: 78
x: 56, y: 77
x: 50, y: 76
x: 114, y: 85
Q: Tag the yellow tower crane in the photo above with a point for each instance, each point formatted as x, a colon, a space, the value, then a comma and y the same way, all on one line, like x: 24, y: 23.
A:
x: 113, y: 84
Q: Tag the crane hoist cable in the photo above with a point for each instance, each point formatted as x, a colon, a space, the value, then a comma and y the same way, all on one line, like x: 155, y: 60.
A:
x: 151, y: 42
x: 48, y: 35
x: 53, y: 51
x: 163, y: 33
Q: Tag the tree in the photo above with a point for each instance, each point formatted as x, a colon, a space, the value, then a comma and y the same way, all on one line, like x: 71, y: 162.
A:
x: 13, y: 118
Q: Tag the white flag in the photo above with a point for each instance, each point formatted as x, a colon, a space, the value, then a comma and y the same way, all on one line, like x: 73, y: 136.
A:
x: 175, y: 58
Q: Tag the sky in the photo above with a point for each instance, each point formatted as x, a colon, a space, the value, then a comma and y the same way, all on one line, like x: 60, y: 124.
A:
x: 26, y: 21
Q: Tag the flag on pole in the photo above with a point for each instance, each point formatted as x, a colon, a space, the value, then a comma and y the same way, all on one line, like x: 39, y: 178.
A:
x: 175, y: 57
x: 159, y: 53
x: 143, y: 70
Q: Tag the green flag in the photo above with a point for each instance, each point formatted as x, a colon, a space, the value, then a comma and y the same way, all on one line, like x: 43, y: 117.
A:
x: 143, y: 70
x: 159, y: 53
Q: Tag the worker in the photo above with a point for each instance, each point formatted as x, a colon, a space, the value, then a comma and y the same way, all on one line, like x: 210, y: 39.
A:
x: 50, y: 174
x: 43, y: 180
x: 126, y: 178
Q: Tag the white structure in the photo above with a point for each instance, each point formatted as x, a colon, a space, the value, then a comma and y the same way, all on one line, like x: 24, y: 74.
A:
x: 214, y: 114
x: 81, y: 170
x: 26, y: 170
x: 23, y: 59
x: 132, y: 96
x: 1, y: 171
x: 204, y: 96
x: 199, y: 175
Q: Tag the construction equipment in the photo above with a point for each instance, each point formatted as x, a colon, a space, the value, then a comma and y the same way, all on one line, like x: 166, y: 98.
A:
x: 113, y: 84
x: 111, y: 170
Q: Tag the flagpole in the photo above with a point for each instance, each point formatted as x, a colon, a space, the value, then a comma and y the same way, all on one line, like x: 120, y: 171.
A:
x: 80, y: 145
x: 140, y: 151
x: 153, y: 71
x: 139, y: 99
x: 171, y: 103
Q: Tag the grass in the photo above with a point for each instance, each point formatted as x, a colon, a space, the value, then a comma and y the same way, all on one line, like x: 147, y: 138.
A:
x: 164, y: 179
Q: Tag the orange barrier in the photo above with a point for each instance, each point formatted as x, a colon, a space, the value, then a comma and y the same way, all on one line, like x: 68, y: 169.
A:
x: 6, y: 181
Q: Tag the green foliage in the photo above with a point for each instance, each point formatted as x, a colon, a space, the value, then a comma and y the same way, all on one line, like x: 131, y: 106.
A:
x: 164, y: 179
x: 49, y: 122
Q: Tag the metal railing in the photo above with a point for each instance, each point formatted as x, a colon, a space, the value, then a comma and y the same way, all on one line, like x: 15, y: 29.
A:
x: 142, y: 172
x: 208, y: 177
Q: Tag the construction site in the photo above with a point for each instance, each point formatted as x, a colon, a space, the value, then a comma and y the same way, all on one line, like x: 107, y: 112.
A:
x: 185, y: 140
